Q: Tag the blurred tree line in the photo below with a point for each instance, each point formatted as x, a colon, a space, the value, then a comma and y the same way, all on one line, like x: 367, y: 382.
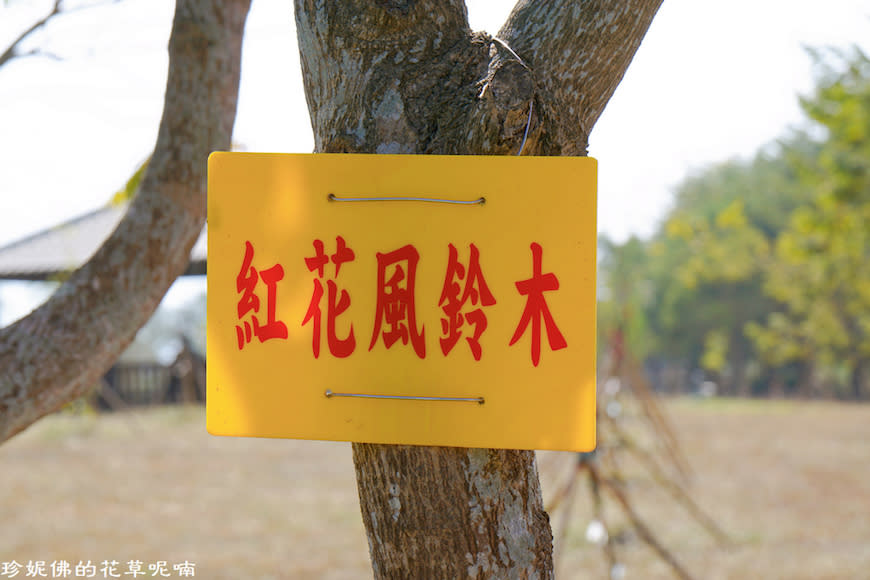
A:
x: 758, y: 279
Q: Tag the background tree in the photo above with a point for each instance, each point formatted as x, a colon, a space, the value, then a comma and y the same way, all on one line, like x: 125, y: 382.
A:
x: 721, y: 263
x: 624, y: 292
x: 702, y: 273
x: 704, y: 268
x: 820, y: 269
x: 757, y: 275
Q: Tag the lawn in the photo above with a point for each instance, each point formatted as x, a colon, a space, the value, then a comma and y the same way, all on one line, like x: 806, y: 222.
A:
x: 789, y: 482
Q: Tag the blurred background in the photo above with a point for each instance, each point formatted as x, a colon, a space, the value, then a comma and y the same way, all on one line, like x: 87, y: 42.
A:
x: 734, y: 307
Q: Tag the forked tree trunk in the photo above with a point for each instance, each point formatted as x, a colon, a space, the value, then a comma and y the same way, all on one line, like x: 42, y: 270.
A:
x: 408, y: 76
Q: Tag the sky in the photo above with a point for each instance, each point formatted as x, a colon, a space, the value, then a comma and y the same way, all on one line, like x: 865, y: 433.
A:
x: 712, y: 80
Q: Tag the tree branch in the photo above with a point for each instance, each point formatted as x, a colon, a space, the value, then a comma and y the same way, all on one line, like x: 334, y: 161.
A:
x: 642, y: 529
x: 39, y: 52
x: 60, y: 350
x: 11, y: 51
x: 578, y: 53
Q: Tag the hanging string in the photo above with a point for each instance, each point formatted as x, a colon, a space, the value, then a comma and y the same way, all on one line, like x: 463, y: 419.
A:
x: 531, y: 102
x: 528, y: 124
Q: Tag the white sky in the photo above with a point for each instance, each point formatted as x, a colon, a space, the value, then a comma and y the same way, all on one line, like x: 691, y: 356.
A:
x: 713, y: 79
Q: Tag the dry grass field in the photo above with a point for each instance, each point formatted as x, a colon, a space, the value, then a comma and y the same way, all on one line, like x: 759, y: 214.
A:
x: 789, y: 481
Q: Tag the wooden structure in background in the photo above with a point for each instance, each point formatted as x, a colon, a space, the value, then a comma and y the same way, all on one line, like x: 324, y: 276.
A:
x: 137, y: 378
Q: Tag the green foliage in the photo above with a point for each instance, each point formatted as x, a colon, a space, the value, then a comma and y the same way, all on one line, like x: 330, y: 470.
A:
x: 130, y: 188
x: 623, y: 295
x: 708, y: 261
x: 820, y: 272
x: 715, y: 351
x: 765, y: 260
x: 725, y: 249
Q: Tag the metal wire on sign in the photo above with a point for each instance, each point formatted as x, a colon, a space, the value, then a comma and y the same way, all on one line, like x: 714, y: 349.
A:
x: 479, y: 400
x: 478, y: 201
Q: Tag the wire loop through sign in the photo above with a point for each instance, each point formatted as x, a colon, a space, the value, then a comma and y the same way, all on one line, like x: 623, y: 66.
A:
x: 480, y: 400
x: 478, y: 201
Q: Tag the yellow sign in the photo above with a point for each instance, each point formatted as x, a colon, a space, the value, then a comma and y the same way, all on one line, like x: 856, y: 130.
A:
x: 426, y: 300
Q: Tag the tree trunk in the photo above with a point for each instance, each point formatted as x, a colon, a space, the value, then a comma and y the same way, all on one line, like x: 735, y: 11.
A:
x: 857, y: 379
x: 805, y: 380
x: 408, y: 76
x: 442, y: 512
x: 740, y: 384
x: 60, y: 350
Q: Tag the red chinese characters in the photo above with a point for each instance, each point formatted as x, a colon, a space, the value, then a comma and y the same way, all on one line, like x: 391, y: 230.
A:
x: 337, y: 302
x: 395, y: 304
x: 536, y: 307
x: 455, y: 296
x: 465, y: 295
x: 246, y: 284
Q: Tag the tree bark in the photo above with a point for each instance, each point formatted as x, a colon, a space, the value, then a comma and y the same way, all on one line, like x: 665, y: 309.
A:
x: 60, y: 350
x: 579, y: 52
x: 409, y: 76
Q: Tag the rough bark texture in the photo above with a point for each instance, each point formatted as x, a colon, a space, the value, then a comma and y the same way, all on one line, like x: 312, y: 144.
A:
x: 578, y: 52
x: 60, y: 350
x: 408, y: 76
x: 441, y: 512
